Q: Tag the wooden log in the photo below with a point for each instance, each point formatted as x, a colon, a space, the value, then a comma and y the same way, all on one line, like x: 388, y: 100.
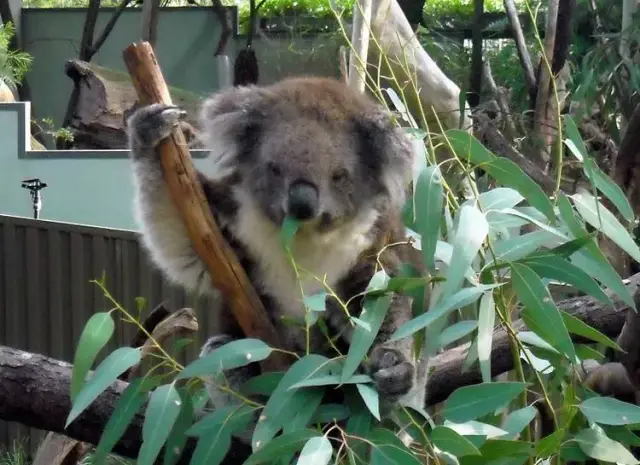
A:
x: 48, y: 404
x: 106, y: 97
x: 226, y: 272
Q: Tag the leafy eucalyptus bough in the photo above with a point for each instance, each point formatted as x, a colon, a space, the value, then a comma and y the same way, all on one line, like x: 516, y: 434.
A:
x: 489, y: 259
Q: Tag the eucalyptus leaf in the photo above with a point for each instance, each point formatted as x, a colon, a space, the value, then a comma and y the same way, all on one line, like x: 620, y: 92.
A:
x: 456, y: 331
x: 462, y: 298
x: 554, y: 267
x: 119, y: 361
x: 541, y: 314
x: 471, y: 232
x: 486, y: 321
x: 95, y: 335
x: 282, y: 445
x: 593, y: 212
x: 130, y: 402
x: 373, y: 312
x: 610, y: 411
x: 161, y: 413
x: 283, y: 405
x: 597, y: 445
x: 471, y: 402
x: 317, y: 451
x: 448, y: 440
x: 370, y: 397
x: 386, y: 448
x: 428, y: 212
x: 234, y: 354
x: 517, y: 420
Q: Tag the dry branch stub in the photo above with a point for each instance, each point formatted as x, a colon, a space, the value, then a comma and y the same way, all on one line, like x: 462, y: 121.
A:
x: 180, y: 175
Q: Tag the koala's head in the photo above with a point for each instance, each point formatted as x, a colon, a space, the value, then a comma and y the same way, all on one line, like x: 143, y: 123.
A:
x: 310, y: 148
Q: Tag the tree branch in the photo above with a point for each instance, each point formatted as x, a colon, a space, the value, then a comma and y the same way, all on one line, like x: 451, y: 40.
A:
x: 448, y: 374
x: 48, y: 405
x: 521, y: 46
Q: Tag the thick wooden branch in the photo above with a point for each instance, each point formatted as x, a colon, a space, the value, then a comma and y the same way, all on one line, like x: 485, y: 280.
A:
x: 226, y: 272
x: 447, y: 374
x: 47, y: 406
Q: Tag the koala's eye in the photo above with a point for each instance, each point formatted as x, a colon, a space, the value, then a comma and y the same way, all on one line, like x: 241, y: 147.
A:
x: 340, y: 175
x: 274, y: 168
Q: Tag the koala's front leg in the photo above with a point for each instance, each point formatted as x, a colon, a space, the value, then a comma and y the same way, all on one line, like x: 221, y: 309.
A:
x: 163, y: 231
x: 391, y: 364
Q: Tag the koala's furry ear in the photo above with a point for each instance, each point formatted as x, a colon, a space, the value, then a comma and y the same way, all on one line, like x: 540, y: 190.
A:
x: 387, y: 149
x: 230, y: 123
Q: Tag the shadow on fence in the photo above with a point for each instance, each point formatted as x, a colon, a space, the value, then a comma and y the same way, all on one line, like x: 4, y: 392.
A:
x: 46, y: 295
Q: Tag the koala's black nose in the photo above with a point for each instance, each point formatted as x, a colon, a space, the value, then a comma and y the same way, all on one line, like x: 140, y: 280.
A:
x: 303, y: 200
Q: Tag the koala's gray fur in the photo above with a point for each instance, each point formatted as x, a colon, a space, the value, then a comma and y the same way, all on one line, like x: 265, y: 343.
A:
x: 307, y: 147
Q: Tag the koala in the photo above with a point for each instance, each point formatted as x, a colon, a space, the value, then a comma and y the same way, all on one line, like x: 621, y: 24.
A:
x: 311, y: 149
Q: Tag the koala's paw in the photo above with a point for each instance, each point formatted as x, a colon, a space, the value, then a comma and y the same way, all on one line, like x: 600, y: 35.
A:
x: 151, y: 124
x: 392, y: 372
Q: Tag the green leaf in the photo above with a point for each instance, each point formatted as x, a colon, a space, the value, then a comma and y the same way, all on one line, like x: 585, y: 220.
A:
x: 574, y: 136
x: 499, y: 449
x: 94, y: 337
x: 283, y: 405
x: 212, y: 447
x: 428, y: 211
x: 471, y: 232
x: 328, y: 413
x: 232, y: 417
x: 517, y: 420
x: 373, y: 312
x: 177, y: 438
x: 331, y: 380
x: 589, y: 208
x: 609, y: 189
x: 610, y: 411
x: 282, y: 445
x: 576, y: 326
x: 316, y: 302
x: 475, y: 428
x: 387, y: 449
x: 456, y: 331
x: 541, y: 314
x: 162, y: 412
x: 509, y: 174
x: 317, y: 451
x: 499, y: 198
x: 550, y: 445
x: 370, y: 397
x: 119, y: 361
x: 263, y: 384
x: 231, y: 355
x: 515, y: 248
x: 449, y: 441
x: 468, y: 147
x: 289, y: 228
x: 554, y: 267
x: 132, y: 399
x: 591, y: 259
x: 462, y: 298
x: 486, y: 320
x: 471, y: 402
x: 600, y: 180
x: 597, y: 445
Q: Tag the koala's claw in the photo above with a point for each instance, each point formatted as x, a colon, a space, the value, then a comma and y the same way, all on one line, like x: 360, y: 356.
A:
x: 392, y: 372
x: 151, y: 124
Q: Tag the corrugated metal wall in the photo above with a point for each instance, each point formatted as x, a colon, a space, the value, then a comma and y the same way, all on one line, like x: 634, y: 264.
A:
x: 46, y: 296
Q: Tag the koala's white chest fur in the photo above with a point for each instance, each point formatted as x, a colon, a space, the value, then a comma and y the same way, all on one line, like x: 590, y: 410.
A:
x: 328, y: 257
